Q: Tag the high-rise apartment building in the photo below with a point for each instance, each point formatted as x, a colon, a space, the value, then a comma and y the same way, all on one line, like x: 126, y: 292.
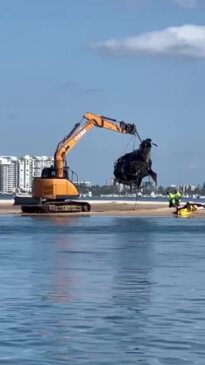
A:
x: 25, y: 173
x: 16, y: 174
x: 8, y: 174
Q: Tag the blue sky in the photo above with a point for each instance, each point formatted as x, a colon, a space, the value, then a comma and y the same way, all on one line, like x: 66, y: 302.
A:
x: 141, y: 61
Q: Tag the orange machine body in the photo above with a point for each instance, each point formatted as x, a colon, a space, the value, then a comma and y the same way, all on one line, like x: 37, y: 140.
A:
x: 54, y: 189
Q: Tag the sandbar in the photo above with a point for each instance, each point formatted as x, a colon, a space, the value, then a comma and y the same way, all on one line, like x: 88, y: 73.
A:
x: 109, y: 208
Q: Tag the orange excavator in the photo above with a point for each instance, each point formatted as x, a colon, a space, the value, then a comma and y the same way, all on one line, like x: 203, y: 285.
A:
x: 54, y: 191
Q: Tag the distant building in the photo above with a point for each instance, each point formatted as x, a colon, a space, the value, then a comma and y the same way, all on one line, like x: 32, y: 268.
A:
x: 110, y: 181
x: 25, y: 173
x: 86, y: 184
x: 8, y: 174
x: 16, y: 174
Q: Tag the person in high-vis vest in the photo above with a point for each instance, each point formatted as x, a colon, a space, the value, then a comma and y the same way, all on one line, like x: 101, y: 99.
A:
x: 177, y: 197
x: 171, y: 198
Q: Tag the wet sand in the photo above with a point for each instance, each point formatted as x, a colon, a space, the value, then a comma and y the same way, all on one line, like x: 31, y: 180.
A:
x: 152, y: 209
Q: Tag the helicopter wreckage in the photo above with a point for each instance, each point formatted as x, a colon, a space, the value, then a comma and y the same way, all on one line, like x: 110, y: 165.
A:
x: 132, y: 167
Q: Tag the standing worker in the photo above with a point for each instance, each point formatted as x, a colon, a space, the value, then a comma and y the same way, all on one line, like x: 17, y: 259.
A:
x: 171, y: 198
x: 177, y: 197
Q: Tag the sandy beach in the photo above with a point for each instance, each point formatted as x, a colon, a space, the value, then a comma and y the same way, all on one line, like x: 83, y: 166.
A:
x: 125, y: 208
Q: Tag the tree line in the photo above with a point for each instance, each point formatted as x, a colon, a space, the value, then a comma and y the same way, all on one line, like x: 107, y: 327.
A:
x: 146, y: 189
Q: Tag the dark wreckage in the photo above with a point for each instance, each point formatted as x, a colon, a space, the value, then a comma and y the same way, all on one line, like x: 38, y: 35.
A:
x: 132, y: 167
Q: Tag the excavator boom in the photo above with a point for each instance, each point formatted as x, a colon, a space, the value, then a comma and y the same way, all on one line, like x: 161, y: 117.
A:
x: 80, y: 130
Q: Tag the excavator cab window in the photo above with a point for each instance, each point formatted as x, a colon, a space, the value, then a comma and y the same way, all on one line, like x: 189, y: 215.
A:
x: 48, y: 172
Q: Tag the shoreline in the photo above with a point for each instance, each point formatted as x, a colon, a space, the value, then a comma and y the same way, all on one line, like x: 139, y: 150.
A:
x: 108, y: 208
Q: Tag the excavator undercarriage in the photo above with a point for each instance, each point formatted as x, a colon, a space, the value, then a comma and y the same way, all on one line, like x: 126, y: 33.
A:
x: 56, y: 207
x: 52, y: 195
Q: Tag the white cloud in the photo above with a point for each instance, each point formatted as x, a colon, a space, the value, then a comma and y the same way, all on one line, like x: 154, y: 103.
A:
x: 186, y: 40
x: 187, y: 3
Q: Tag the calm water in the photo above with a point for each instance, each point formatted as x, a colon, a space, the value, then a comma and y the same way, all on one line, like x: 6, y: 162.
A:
x: 102, y: 290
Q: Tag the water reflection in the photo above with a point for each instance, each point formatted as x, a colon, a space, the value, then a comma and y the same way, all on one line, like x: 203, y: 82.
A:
x: 52, y: 277
x: 61, y: 220
x: 131, y: 287
x: 133, y: 262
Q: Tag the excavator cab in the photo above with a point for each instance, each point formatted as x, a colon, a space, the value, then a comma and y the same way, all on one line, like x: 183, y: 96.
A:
x: 51, y: 173
x: 48, y: 172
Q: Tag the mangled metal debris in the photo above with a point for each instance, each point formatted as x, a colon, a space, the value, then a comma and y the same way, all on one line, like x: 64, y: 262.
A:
x: 132, y: 167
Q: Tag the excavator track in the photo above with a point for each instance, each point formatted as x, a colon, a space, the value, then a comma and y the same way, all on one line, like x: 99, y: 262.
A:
x: 57, y: 207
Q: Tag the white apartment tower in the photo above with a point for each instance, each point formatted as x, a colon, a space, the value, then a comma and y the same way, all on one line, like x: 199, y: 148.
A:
x: 8, y: 174
x: 25, y: 173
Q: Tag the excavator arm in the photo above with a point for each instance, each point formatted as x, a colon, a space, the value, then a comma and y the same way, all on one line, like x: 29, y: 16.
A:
x: 79, y: 130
